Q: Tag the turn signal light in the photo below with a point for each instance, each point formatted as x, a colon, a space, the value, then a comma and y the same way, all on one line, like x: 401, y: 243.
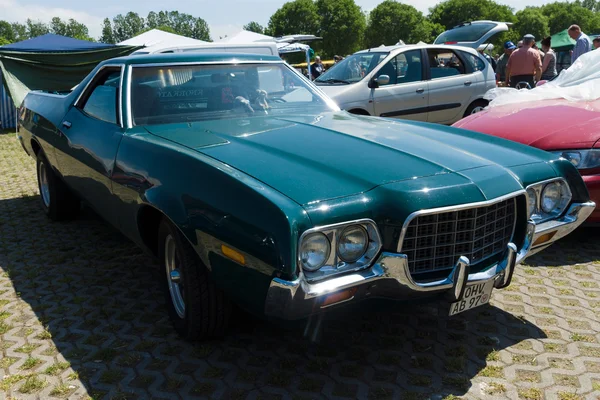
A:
x: 546, y: 237
x: 339, y: 297
x: 233, y: 254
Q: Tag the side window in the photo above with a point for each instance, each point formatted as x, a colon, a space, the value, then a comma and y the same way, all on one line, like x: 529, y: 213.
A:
x: 475, y: 62
x: 404, y: 68
x: 444, y: 63
x: 100, y: 100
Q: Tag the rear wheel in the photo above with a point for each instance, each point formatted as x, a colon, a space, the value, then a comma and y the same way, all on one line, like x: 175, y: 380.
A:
x: 58, y: 202
x: 475, y: 107
x: 197, y: 308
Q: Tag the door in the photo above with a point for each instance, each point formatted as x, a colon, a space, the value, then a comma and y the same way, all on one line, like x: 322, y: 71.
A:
x: 90, y: 136
x: 401, y: 90
x: 451, y: 85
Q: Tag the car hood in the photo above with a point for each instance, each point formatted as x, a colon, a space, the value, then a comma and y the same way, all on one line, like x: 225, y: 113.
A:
x: 334, y: 91
x: 549, y: 125
x: 318, y: 157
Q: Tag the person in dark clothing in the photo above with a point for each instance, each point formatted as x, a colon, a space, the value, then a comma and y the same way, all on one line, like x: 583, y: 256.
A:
x: 317, y: 68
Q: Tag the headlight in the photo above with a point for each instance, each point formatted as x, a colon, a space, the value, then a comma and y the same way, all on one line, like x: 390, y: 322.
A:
x: 532, y: 201
x: 315, y: 251
x: 334, y: 249
x: 352, y: 243
x: 581, y: 159
x: 551, y: 196
x: 548, y: 200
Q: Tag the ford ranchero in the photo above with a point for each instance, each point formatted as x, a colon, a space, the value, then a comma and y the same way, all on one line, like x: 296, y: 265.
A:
x: 253, y: 188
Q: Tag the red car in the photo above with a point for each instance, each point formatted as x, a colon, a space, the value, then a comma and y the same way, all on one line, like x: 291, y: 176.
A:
x: 571, y: 129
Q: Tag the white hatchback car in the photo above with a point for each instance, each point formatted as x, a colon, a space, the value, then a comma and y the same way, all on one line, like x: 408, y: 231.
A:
x: 434, y: 83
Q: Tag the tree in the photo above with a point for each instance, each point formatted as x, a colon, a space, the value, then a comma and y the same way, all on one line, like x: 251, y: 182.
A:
x: 36, y: 28
x: 254, y: 26
x: 531, y: 20
x: 561, y: 15
x: 201, y: 30
x: 107, y: 32
x: 127, y: 26
x: 70, y: 28
x: 20, y: 31
x: 391, y: 21
x: 294, y: 17
x: 342, y: 26
x: 7, y: 35
x: 450, y: 13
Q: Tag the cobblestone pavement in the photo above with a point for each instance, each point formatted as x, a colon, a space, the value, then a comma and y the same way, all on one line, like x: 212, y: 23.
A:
x: 81, y: 315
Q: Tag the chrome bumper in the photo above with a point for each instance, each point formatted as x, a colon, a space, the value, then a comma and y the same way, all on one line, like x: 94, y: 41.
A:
x: 390, y: 276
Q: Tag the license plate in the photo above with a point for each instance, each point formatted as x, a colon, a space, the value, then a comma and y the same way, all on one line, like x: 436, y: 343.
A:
x: 475, y: 295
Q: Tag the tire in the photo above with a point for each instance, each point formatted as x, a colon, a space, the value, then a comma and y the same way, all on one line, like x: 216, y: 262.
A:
x: 475, y: 107
x: 197, y: 308
x: 58, y: 202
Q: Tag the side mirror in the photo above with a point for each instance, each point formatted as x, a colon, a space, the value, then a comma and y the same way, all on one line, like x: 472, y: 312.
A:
x: 383, y: 79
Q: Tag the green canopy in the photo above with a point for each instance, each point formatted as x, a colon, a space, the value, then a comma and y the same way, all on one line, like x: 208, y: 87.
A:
x: 561, y: 41
x: 43, y: 64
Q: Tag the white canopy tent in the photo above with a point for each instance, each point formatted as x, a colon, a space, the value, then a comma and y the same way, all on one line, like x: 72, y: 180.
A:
x: 247, y: 37
x: 156, y: 38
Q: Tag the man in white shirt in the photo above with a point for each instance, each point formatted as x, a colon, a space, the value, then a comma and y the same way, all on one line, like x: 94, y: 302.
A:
x: 583, y: 44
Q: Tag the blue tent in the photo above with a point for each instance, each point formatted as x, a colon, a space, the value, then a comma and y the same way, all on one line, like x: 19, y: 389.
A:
x: 48, y: 62
x: 54, y: 43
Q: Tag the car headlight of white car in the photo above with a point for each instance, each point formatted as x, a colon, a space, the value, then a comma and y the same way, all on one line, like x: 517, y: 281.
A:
x: 548, y: 200
x: 581, y: 159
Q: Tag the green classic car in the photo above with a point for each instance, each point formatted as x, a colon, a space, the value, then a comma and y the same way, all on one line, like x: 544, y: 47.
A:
x: 253, y: 188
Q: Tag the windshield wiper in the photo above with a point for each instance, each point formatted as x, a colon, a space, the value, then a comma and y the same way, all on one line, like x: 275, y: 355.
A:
x: 333, y: 80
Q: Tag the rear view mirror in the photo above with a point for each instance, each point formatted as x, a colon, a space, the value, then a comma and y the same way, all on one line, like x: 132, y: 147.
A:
x: 383, y: 79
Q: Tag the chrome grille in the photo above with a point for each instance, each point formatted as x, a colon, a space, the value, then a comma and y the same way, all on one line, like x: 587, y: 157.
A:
x: 434, y: 242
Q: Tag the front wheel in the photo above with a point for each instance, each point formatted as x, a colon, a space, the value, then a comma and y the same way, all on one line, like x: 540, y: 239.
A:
x: 58, y: 202
x: 475, y: 107
x: 198, y: 309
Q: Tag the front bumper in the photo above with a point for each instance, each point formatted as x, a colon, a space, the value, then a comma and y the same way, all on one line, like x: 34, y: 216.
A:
x: 390, y: 276
x: 592, y: 182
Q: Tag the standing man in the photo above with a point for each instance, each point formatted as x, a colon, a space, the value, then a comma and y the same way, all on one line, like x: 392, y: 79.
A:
x: 317, y: 68
x: 524, y: 64
x: 509, y: 47
x: 583, y: 44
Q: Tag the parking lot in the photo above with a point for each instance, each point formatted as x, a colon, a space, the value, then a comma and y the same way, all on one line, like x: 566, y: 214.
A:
x: 81, y: 315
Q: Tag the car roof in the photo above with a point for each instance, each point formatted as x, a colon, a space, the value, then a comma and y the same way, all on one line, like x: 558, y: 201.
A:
x: 176, y: 58
x: 389, y: 49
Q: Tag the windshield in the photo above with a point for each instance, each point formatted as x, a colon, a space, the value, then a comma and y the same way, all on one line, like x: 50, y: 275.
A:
x: 353, y: 68
x: 168, y: 94
x: 466, y: 33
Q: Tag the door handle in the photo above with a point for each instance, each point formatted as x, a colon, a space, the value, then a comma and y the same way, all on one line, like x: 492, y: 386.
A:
x: 420, y: 90
x: 468, y: 83
x: 66, y: 124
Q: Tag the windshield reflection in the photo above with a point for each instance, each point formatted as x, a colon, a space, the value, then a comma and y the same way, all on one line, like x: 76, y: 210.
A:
x: 352, y: 69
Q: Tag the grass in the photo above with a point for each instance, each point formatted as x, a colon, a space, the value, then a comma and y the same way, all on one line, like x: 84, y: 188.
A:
x: 494, y: 355
x: 492, y: 371
x: 27, y: 348
x: 61, y: 390
x: 31, y: 363
x: 494, y: 388
x: 32, y: 384
x: 57, y: 368
x: 569, y: 396
x: 9, y: 380
x: 530, y: 394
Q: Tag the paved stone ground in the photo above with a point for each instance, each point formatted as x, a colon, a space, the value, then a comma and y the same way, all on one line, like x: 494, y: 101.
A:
x: 81, y: 315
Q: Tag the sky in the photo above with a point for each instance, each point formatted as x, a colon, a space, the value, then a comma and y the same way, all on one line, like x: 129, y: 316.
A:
x: 224, y: 17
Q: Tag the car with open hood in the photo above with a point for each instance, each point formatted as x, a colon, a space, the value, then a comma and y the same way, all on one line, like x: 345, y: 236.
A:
x: 252, y: 187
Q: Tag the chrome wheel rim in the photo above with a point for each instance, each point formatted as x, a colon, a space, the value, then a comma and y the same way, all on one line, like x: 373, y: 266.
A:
x: 174, y: 276
x: 44, y: 187
x: 477, y: 109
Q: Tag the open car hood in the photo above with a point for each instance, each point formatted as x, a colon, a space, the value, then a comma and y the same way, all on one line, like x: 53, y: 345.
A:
x: 472, y: 34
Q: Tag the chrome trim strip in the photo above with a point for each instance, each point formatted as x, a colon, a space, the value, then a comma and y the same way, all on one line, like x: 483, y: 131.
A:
x: 457, y: 207
x: 122, y: 67
x: 233, y: 61
x: 128, y: 99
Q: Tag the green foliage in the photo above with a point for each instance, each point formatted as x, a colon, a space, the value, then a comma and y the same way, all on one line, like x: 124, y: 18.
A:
x: 294, y: 17
x: 107, y: 32
x: 531, y: 20
x: 127, y: 26
x: 342, y: 26
x: 7, y: 35
x: 561, y: 15
x: 36, y: 28
x: 70, y: 28
x: 450, y: 13
x: 254, y: 26
x: 392, y: 21
x: 178, y: 23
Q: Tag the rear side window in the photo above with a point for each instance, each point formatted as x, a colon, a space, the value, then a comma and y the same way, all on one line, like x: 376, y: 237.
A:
x: 444, y: 63
x: 466, y: 33
x: 100, y: 100
x: 473, y: 61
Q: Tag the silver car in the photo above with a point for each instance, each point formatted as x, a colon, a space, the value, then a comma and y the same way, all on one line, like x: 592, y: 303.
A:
x: 434, y: 83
